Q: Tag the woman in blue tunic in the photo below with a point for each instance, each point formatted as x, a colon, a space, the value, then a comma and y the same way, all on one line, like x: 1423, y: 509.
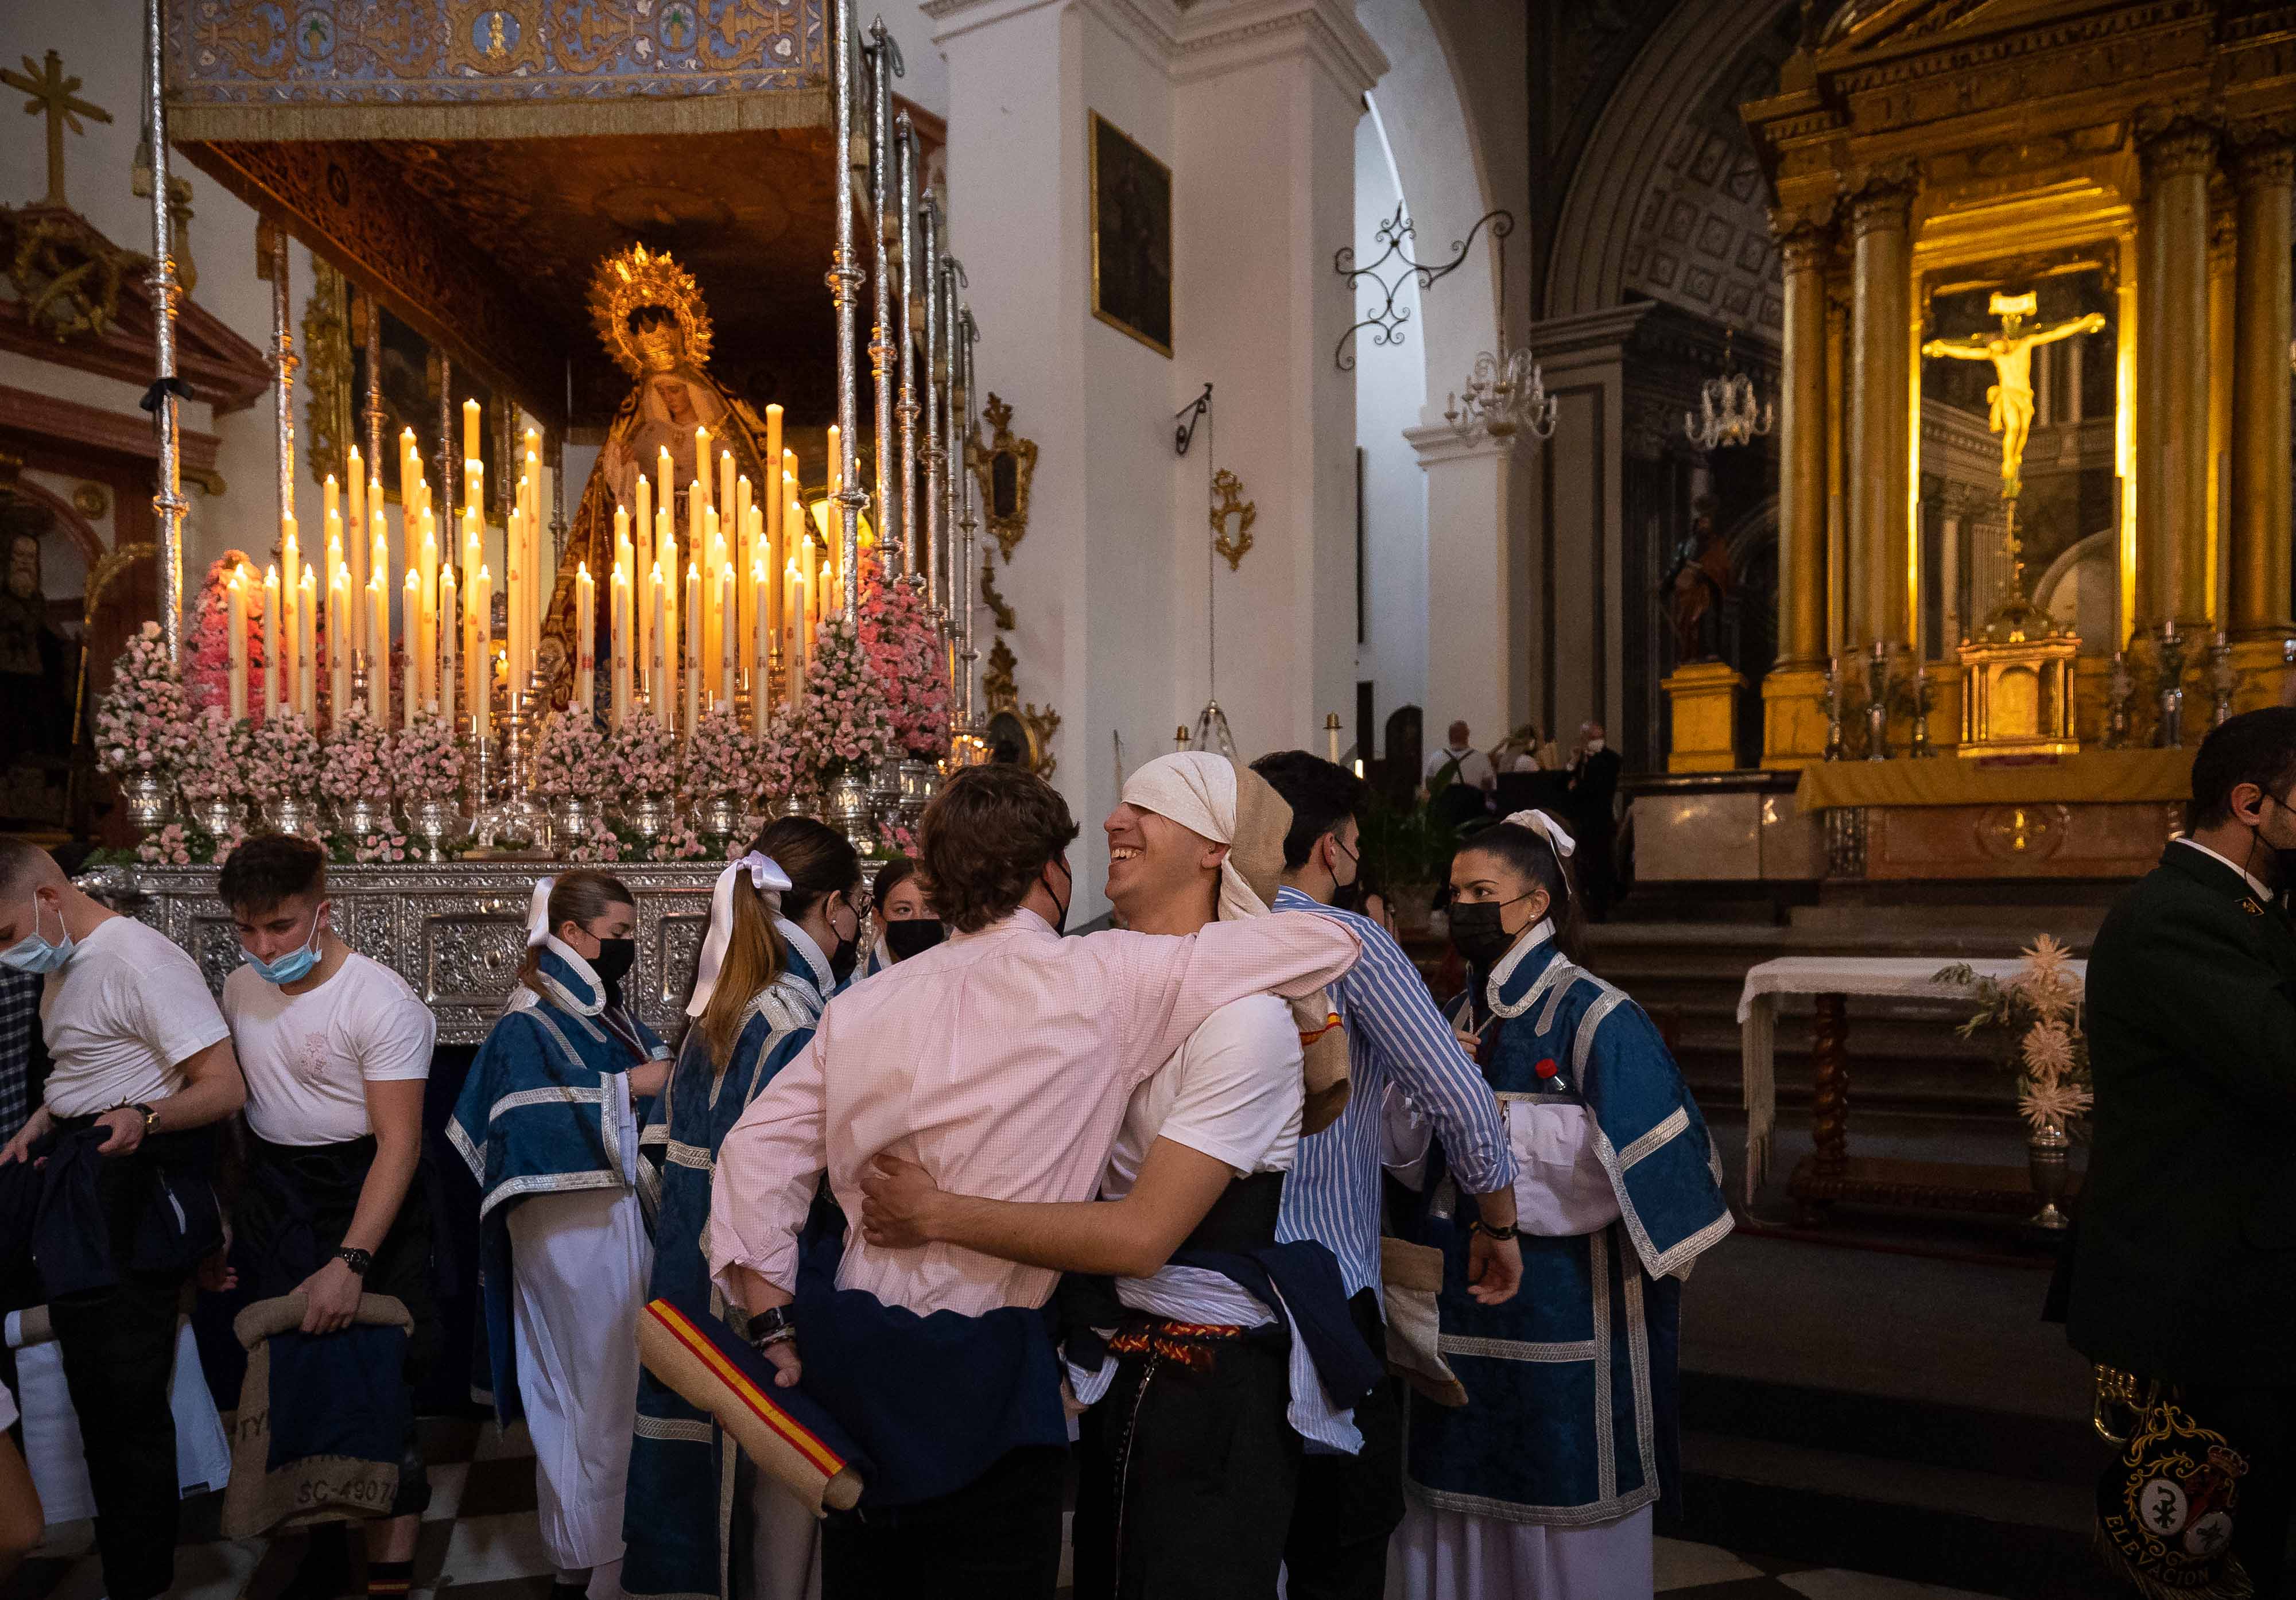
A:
x: 782, y: 924
x: 1541, y: 1487
x: 547, y: 1121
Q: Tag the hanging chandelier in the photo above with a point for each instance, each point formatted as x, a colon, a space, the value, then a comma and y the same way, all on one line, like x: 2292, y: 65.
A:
x: 1505, y: 396
x: 1729, y: 412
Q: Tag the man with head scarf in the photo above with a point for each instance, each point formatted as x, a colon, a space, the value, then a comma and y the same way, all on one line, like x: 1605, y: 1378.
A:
x: 1213, y: 1358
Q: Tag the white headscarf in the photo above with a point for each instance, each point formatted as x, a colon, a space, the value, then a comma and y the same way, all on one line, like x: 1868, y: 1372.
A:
x: 1197, y: 790
x: 768, y: 878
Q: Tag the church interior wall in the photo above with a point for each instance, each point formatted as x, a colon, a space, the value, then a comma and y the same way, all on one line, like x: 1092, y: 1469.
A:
x: 1390, y: 396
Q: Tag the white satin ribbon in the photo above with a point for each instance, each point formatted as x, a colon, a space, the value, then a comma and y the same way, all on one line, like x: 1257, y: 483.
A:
x: 768, y: 878
x: 538, y: 913
x: 1547, y: 828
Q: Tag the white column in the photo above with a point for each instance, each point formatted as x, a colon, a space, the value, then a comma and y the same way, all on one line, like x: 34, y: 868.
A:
x: 1479, y: 614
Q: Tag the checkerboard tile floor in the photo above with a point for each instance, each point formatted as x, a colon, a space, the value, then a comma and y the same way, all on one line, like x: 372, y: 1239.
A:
x: 479, y: 1542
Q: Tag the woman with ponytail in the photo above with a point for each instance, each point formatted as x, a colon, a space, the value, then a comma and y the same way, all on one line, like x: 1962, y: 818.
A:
x: 548, y: 1122
x: 1542, y: 1484
x: 784, y: 921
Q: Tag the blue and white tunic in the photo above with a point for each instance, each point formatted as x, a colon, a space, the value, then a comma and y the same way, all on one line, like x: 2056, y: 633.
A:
x: 546, y: 1110
x: 678, y: 1518
x: 1572, y: 1412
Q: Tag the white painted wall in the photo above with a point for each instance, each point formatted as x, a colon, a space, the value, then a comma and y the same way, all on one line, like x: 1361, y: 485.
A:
x: 1391, y: 393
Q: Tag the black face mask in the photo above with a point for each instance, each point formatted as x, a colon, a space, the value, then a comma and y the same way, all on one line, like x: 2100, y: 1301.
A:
x: 1478, y: 934
x: 914, y: 936
x: 613, y: 964
x: 1347, y: 896
x: 847, y: 956
x: 1060, y: 925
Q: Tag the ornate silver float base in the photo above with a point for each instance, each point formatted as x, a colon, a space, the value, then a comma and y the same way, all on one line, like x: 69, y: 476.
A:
x: 367, y: 814
x: 649, y: 815
x: 291, y: 814
x: 718, y: 815
x: 570, y: 816
x: 217, y: 817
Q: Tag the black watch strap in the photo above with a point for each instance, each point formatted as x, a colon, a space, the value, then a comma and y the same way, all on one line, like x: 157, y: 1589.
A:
x: 1502, y: 1234
x: 771, y: 1326
x: 357, y: 1260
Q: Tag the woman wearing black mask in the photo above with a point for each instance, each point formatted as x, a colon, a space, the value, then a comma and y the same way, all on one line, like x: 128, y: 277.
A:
x: 548, y: 1120
x: 905, y: 922
x: 782, y: 921
x: 1616, y: 1191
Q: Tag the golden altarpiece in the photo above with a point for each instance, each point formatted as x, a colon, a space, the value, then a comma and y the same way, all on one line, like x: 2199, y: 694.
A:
x: 2036, y: 291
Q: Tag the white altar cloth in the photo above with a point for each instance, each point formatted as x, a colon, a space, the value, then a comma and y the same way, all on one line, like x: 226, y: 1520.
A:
x: 1904, y: 977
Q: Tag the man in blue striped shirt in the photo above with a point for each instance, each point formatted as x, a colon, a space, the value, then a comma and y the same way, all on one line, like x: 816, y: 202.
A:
x: 1349, y: 1505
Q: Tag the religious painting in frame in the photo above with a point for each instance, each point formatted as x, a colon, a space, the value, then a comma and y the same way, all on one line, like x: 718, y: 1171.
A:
x: 1131, y: 237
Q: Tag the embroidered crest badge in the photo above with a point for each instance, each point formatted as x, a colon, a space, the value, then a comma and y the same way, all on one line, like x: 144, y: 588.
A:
x: 2165, y: 1510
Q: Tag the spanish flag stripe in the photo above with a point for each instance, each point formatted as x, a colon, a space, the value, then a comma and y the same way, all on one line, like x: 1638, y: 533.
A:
x: 803, y: 1438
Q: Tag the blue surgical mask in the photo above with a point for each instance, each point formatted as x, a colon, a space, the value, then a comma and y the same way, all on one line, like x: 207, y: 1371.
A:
x: 293, y: 967
x: 33, y: 953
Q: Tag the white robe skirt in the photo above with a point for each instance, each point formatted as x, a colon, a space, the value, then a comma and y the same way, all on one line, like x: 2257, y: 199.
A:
x: 1450, y: 1556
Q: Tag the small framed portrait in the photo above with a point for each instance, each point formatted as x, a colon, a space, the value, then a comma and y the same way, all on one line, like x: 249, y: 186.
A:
x: 1131, y: 237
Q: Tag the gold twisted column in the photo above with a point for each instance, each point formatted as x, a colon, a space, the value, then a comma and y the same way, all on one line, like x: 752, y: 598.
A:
x: 2172, y: 365
x: 1880, y: 313
x: 2266, y: 177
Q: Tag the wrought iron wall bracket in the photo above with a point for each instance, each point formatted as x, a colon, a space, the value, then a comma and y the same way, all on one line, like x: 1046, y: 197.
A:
x: 1396, y: 234
x: 1186, y: 418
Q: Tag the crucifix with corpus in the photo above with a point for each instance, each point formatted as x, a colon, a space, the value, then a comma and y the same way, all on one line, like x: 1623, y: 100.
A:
x: 58, y: 96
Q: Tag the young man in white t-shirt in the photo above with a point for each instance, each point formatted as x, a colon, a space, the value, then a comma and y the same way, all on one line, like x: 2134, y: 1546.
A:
x: 143, y: 1071
x: 1188, y: 1479
x: 336, y: 1048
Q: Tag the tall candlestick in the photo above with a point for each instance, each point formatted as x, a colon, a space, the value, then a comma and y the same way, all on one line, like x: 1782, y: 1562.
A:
x: 744, y: 555
x: 410, y: 609
x: 723, y: 503
x: 291, y: 562
x: 410, y: 468
x: 513, y: 589
x: 426, y: 635
x: 306, y: 690
x: 619, y: 642
x: 664, y: 475
x: 470, y: 431
x: 270, y: 643
x: 353, y: 489
x: 480, y: 655
x: 450, y: 626
x: 701, y: 462
x: 586, y: 638
x: 697, y: 503
x: 237, y: 584
x: 378, y: 547
x: 713, y: 619
x: 728, y: 648
x: 331, y: 498
x: 339, y: 643
x: 377, y: 651
x: 766, y: 491
x: 692, y: 643
x: 761, y: 649
x: 663, y: 697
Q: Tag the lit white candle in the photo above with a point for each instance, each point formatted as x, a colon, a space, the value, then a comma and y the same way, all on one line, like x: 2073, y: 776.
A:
x: 586, y: 638
x: 694, y: 608
x: 761, y: 661
x: 477, y: 651
x: 619, y: 642
x: 306, y: 688
x: 701, y: 463
x: 425, y: 629
x: 237, y: 586
x: 270, y: 643
x: 291, y: 562
x: 449, y: 625
x: 728, y: 651
x: 377, y: 651
x: 664, y: 699
x: 411, y: 607
x: 339, y: 637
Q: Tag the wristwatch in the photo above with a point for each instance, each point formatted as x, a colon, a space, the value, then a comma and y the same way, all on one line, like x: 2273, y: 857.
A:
x: 150, y: 1117
x: 1502, y: 1234
x: 357, y: 1260
x: 770, y: 1327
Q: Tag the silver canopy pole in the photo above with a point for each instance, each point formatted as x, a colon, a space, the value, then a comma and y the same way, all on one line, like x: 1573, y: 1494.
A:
x: 844, y: 283
x: 904, y: 157
x: 887, y: 237
x: 935, y: 402
x: 168, y: 505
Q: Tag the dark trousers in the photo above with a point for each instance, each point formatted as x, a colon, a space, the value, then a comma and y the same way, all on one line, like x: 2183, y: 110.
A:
x: 998, y: 1536
x: 1186, y: 1477
x: 1349, y: 1505
x: 119, y: 1349
x: 2261, y: 1424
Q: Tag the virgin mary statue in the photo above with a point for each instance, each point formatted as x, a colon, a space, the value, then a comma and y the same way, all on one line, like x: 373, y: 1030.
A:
x: 649, y: 315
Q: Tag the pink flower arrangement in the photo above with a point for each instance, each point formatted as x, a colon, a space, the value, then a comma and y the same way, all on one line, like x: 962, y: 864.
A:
x: 722, y: 754
x: 842, y: 722
x: 908, y: 664
x: 357, y: 758
x: 283, y: 759
x: 425, y: 761
x: 780, y: 768
x: 641, y: 758
x: 678, y: 842
x: 171, y: 846
x: 144, y: 722
x: 207, y: 653
x: 570, y: 757
x: 601, y: 843
x: 383, y: 847
x: 220, y: 759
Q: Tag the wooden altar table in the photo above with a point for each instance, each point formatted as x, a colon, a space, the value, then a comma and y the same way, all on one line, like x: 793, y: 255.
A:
x: 1830, y: 1173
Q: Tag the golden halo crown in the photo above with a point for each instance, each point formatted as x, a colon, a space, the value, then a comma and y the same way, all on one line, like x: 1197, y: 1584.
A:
x: 634, y: 277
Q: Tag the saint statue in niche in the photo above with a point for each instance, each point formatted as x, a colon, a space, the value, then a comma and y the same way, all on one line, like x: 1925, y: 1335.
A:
x: 1695, y: 587
x: 2011, y: 351
x: 649, y: 315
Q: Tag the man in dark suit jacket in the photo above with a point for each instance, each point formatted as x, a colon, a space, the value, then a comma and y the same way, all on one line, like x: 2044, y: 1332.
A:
x: 1593, y: 818
x: 2185, y: 1270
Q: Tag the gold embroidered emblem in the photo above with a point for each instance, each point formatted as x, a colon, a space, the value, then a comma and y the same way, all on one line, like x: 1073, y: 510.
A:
x: 2251, y: 907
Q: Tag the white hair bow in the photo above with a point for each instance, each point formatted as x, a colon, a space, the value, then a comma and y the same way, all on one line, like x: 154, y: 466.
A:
x: 538, y: 913
x: 1547, y: 828
x: 768, y: 878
